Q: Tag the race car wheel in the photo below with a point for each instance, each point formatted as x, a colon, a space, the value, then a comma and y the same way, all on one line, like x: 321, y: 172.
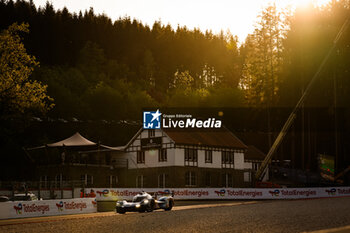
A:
x: 150, y: 207
x: 171, y: 204
x: 120, y: 211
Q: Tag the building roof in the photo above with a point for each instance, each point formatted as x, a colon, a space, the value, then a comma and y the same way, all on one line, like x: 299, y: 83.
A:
x: 222, y: 138
x: 254, y: 153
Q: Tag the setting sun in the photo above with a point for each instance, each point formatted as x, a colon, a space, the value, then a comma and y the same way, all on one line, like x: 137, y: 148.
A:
x: 301, y: 3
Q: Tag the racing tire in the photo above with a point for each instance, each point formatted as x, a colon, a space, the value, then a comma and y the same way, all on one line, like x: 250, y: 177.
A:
x: 120, y: 211
x: 171, y: 204
x: 150, y: 207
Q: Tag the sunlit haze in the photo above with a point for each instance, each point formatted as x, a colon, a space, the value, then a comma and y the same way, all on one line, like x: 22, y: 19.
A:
x: 237, y: 16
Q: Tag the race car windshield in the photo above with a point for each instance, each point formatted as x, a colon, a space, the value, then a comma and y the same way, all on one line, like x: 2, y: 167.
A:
x: 138, y: 199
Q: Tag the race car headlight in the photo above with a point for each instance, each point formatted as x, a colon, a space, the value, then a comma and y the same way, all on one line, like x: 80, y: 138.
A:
x: 138, y: 205
x: 145, y: 201
x: 118, y: 204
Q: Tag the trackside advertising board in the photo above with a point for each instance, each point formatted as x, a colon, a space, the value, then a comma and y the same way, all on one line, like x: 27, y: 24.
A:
x: 223, y: 193
x: 25, y: 209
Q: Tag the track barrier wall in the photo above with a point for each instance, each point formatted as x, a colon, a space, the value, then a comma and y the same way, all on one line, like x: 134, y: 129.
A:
x: 26, y: 209
x: 221, y: 193
x: 95, y: 196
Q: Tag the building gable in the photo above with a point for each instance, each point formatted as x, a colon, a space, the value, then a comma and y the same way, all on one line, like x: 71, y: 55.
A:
x: 143, y: 141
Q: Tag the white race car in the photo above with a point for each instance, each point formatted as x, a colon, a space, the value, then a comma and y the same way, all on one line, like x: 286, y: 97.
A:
x: 145, y: 202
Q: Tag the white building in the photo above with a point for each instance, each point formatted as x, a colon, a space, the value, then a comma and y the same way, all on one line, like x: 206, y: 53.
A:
x: 186, y: 158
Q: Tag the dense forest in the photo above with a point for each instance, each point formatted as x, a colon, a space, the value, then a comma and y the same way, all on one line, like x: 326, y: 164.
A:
x: 97, y: 75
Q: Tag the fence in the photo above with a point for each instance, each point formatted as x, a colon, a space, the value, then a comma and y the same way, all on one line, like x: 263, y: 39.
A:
x: 44, y: 189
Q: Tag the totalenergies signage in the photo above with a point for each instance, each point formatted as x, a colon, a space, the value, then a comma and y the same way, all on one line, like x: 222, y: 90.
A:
x: 25, y: 209
x: 225, y: 193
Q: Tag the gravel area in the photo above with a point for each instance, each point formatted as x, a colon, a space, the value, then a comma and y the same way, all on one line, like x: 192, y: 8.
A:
x: 267, y: 216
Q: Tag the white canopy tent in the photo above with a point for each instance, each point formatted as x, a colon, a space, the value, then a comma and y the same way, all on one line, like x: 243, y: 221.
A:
x: 75, y: 140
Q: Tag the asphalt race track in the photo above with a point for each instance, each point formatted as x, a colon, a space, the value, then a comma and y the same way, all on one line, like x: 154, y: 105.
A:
x: 327, y: 215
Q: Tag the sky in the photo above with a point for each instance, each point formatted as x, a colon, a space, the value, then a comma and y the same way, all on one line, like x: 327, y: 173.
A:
x: 237, y: 16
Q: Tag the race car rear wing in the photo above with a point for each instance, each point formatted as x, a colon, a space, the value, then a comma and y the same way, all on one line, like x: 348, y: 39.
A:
x: 163, y: 193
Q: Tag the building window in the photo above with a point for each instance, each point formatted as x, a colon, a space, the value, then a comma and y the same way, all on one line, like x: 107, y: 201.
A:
x: 190, y: 179
x: 162, y: 180
x: 60, y: 179
x: 141, y: 157
x: 209, y: 156
x: 87, y: 179
x: 227, y: 180
x: 255, y: 166
x: 162, y: 155
x: 191, y: 157
x: 140, y: 181
x: 207, y: 179
x: 151, y: 133
x: 227, y: 159
x: 112, y: 181
x: 247, y: 177
x: 44, y: 181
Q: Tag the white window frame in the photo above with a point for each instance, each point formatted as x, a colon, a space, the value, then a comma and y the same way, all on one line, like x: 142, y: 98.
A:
x: 162, y: 180
x: 191, y: 157
x: 162, y: 155
x: 140, y: 157
x: 247, y: 176
x: 227, y: 159
x: 139, y: 179
x: 208, y: 156
x: 111, y: 179
x: 228, y: 176
x: 44, y: 181
x: 86, y: 179
x: 191, y: 176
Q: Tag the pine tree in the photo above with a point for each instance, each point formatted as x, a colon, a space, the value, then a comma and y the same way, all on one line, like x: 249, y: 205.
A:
x: 263, y: 59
